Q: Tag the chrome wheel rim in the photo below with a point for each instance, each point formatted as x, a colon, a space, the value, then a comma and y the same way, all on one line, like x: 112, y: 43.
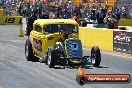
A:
x: 93, y: 57
x: 49, y: 58
x: 27, y: 52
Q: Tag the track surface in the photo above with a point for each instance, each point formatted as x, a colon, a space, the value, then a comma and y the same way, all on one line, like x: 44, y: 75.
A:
x: 16, y: 72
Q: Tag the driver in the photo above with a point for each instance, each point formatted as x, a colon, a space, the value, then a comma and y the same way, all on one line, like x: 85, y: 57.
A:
x: 65, y: 32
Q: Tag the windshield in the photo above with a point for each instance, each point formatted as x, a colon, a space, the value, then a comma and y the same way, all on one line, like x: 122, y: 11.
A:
x: 52, y: 28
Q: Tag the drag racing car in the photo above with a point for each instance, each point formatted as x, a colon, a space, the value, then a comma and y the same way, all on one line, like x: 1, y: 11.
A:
x: 56, y: 42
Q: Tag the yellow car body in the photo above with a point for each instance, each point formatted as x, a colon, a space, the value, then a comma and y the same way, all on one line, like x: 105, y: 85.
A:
x: 41, y: 40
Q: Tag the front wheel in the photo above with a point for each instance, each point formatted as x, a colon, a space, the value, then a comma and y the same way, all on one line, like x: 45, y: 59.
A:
x: 95, y: 56
x: 51, y: 58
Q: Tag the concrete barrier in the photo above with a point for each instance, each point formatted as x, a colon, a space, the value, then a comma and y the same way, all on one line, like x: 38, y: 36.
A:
x: 101, y: 37
x: 107, y: 39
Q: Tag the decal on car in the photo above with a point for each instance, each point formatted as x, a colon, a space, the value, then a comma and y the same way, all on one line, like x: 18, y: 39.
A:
x: 37, y: 44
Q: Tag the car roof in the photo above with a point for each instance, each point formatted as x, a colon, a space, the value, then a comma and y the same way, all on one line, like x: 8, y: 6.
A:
x: 55, y: 21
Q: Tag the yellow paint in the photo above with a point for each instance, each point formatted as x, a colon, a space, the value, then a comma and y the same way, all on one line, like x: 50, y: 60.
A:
x: 55, y: 21
x: 11, y: 20
x: 125, y: 22
x: 97, y: 37
x: 1, y: 12
x: 21, y: 32
x: 45, y: 37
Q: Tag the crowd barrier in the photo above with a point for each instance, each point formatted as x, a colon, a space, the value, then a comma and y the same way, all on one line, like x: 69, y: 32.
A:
x: 10, y: 20
x: 96, y: 37
x: 107, y: 39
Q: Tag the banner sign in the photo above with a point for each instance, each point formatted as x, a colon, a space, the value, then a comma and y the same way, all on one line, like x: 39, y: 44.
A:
x: 129, y: 49
x: 1, y: 12
x: 10, y: 20
x: 1, y: 21
x: 122, y: 41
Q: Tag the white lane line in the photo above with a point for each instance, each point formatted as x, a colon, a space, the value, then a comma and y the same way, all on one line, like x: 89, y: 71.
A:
x: 118, y: 54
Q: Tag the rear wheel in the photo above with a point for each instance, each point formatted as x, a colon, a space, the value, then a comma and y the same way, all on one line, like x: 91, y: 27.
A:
x: 95, y: 56
x: 28, y: 51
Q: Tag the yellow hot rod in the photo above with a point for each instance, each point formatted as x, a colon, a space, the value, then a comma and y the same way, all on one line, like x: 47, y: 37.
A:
x: 56, y: 42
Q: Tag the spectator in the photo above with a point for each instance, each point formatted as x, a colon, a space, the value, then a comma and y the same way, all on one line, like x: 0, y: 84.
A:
x: 44, y: 15
x: 59, y: 12
x: 77, y: 11
x: 93, y: 17
x: 53, y: 15
x: 118, y: 14
x: 124, y: 13
x: 39, y: 9
x: 93, y: 13
x: 28, y: 10
x: 80, y: 7
x: 33, y: 7
x: 130, y: 11
x: 114, y: 8
x: 100, y: 17
x: 69, y: 8
x: 20, y: 8
x: 43, y: 5
x: 92, y: 6
x: 30, y: 22
x: 105, y: 8
x: 109, y: 20
x: 86, y: 11
x: 99, y: 7
x: 24, y: 9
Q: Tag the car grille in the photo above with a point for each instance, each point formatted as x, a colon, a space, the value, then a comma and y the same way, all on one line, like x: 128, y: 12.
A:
x: 74, y: 48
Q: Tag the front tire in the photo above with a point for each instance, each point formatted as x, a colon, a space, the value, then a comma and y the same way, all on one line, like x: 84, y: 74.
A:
x: 95, y: 56
x: 51, y: 58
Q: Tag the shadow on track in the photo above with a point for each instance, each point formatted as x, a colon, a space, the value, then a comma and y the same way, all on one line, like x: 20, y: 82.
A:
x: 60, y: 67
x: 103, y: 67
